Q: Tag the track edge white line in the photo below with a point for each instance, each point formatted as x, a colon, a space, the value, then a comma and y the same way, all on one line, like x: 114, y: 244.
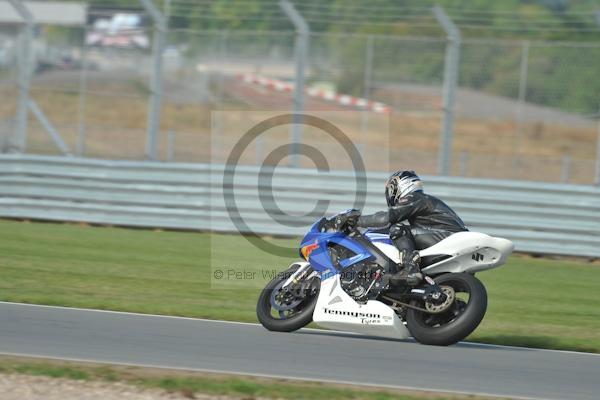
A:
x: 254, y: 324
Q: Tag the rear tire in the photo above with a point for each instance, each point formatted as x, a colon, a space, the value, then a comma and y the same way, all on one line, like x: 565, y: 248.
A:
x: 459, y: 321
x: 302, y: 316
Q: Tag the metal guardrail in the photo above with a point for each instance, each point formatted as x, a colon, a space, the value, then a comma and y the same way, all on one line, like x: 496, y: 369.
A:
x: 538, y: 217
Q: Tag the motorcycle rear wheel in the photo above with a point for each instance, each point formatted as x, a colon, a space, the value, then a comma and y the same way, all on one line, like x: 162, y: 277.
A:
x: 455, y: 324
x: 300, y: 310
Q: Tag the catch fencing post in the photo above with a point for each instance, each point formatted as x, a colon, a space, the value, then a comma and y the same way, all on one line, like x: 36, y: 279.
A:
x: 450, y: 82
x: 524, y: 67
x: 300, y: 58
x: 19, y: 143
x: 367, y: 85
x: 217, y: 118
x: 26, y: 68
x: 81, y: 107
x: 154, y: 106
x: 597, y: 180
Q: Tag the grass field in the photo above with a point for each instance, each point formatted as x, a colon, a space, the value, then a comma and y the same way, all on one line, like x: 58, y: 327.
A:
x: 532, y: 302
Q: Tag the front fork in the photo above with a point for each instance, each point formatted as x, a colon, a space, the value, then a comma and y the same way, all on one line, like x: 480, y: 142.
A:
x: 297, y: 282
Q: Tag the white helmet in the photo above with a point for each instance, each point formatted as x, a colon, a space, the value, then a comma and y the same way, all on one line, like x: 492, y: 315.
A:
x: 400, y: 185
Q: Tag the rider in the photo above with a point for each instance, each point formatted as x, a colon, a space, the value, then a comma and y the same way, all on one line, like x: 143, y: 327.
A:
x: 429, y: 221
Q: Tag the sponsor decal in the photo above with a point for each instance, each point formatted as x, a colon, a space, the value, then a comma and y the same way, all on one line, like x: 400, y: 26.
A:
x: 355, y: 314
x: 365, y: 318
x: 369, y: 321
x: 477, y: 257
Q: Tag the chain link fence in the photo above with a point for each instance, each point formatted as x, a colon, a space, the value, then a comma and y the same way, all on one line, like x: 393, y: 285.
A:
x: 524, y: 110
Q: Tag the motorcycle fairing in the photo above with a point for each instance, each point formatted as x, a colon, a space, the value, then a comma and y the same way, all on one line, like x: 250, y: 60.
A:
x: 376, y: 237
x: 335, y: 309
x: 320, y: 259
x: 469, y: 252
x: 464, y: 252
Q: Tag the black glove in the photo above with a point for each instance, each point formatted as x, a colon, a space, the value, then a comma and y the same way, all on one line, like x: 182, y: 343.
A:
x: 347, y: 219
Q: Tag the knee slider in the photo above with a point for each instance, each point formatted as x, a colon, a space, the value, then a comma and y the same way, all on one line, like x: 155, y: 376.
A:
x: 398, y: 231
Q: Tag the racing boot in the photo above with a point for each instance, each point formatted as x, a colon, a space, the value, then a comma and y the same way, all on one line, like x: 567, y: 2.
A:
x: 410, y: 274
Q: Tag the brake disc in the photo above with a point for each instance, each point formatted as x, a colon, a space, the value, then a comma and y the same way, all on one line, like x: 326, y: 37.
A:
x: 438, y: 308
x: 283, y: 300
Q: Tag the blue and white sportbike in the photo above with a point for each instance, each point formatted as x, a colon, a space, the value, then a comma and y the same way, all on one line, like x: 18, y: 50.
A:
x: 342, y: 285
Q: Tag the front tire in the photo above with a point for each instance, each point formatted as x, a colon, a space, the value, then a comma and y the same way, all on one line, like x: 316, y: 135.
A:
x: 455, y: 324
x: 298, y: 316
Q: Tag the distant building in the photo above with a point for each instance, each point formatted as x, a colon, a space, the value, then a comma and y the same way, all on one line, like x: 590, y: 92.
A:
x: 117, y: 28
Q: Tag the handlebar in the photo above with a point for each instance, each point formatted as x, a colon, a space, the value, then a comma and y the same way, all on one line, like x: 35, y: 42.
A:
x: 344, y: 221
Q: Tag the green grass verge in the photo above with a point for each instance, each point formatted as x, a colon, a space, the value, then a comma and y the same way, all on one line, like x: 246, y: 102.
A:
x: 532, y: 302
x: 190, y: 383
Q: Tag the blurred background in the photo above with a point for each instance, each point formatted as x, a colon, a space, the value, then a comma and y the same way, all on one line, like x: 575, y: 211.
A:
x: 512, y: 86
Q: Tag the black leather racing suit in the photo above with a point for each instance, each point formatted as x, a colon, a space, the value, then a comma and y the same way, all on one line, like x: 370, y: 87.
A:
x: 430, y: 220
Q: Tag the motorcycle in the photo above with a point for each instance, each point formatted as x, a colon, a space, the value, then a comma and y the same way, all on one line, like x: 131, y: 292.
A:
x: 341, y: 285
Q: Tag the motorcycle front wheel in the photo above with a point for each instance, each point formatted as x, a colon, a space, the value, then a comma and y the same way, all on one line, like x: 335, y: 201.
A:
x: 287, y: 310
x: 459, y: 320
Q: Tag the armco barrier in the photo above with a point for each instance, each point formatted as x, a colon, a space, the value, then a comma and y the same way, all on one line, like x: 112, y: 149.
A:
x: 539, y: 218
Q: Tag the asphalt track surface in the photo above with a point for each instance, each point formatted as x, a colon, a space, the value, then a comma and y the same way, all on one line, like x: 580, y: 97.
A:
x: 309, y: 354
